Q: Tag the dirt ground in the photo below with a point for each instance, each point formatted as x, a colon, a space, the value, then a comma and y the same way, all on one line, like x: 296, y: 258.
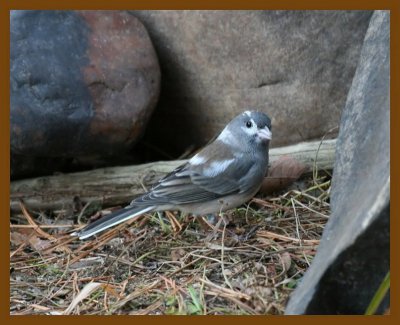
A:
x: 247, y: 262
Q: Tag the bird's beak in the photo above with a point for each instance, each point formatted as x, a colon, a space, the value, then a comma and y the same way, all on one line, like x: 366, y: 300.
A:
x: 265, y: 133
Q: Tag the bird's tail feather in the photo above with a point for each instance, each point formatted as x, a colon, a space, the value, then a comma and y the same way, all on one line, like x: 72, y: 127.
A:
x: 110, y: 220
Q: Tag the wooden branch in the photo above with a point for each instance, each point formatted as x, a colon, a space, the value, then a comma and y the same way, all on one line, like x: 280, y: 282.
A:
x: 119, y: 185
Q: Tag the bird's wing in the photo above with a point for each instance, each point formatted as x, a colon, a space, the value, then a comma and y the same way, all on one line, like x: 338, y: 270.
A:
x: 175, y: 188
x: 220, y: 175
x: 224, y: 170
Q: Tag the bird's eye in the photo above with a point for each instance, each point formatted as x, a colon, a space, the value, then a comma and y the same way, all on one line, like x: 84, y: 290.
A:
x: 249, y: 124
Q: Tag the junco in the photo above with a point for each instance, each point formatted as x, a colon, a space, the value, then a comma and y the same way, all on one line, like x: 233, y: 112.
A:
x: 223, y: 175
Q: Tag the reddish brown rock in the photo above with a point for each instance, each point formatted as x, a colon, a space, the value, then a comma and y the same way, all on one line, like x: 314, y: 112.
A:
x: 83, y: 87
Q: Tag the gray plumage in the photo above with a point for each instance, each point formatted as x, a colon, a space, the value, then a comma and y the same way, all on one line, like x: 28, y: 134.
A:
x: 223, y: 175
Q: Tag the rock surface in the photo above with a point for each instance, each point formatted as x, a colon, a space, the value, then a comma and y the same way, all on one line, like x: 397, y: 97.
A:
x: 354, y: 254
x: 83, y: 86
x: 295, y: 65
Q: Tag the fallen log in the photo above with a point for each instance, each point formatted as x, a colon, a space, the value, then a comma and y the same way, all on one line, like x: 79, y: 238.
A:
x: 114, y: 186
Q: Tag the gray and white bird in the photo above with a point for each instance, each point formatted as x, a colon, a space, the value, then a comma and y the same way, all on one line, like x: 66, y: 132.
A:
x: 223, y: 175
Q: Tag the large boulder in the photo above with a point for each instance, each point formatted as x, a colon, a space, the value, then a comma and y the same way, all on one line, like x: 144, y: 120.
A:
x: 83, y: 86
x: 354, y: 255
x: 295, y: 65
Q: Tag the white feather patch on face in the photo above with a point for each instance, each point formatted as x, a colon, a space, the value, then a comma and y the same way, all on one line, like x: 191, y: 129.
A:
x: 217, y: 167
x: 226, y: 136
x: 197, y: 160
x: 248, y: 113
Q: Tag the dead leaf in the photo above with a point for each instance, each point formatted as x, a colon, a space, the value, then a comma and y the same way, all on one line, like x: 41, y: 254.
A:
x: 86, y: 291
x: 42, y: 233
x: 286, y: 261
x: 26, y: 236
x: 282, y: 173
x: 39, y: 244
x: 177, y: 254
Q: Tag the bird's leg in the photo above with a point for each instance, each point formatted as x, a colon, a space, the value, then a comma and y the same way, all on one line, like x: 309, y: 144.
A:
x: 215, y: 228
x: 222, y: 217
x: 206, y: 222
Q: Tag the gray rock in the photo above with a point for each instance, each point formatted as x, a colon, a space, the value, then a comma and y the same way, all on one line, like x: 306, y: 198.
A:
x: 83, y: 86
x: 353, y: 257
x: 295, y: 65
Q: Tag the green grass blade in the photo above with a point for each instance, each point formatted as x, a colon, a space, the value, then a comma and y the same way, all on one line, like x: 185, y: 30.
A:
x: 379, y: 295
